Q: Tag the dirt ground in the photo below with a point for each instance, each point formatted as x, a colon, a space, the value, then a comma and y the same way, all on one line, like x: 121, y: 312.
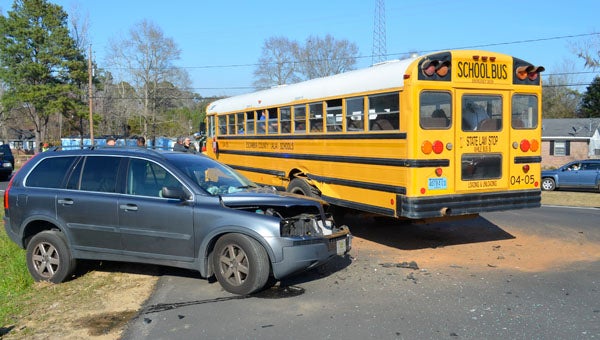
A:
x: 99, y: 303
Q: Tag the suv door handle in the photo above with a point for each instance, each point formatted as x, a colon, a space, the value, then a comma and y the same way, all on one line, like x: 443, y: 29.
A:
x: 128, y: 207
x: 66, y: 201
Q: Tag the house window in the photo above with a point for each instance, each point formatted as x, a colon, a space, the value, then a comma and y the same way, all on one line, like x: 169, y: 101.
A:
x: 560, y: 148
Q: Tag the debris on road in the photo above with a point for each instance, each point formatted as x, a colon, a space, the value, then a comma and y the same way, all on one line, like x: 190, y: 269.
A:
x: 410, y: 265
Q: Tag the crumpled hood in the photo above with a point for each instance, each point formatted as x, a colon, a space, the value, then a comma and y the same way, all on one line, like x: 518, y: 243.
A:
x: 268, y: 196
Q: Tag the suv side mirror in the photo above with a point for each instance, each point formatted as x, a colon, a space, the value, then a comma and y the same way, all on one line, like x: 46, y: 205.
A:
x: 174, y: 192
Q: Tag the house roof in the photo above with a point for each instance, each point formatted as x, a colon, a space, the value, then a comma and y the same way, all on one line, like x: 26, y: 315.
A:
x: 570, y: 128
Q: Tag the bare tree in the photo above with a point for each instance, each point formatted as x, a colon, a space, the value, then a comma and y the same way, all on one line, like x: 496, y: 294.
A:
x: 326, y: 57
x: 145, y: 59
x: 79, y: 27
x: 560, y: 99
x: 589, y: 51
x: 277, y: 63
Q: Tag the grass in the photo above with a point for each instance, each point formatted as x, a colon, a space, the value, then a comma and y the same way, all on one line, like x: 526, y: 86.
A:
x: 15, y: 281
x: 571, y: 198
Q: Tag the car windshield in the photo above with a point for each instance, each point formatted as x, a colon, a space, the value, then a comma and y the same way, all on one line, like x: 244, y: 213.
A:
x: 214, y: 177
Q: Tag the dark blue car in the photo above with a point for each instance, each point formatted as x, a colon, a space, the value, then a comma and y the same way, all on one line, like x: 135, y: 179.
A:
x: 583, y: 174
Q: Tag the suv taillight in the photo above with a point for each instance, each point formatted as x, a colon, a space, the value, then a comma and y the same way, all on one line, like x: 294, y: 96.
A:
x: 6, y: 192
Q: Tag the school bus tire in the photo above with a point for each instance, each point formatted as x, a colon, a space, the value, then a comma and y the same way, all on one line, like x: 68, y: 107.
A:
x: 301, y: 187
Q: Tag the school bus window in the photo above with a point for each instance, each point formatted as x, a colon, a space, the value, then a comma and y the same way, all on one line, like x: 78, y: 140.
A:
x: 315, y: 111
x: 524, y: 111
x: 334, y: 115
x: 286, y: 119
x: 231, y: 124
x: 481, y: 113
x: 250, y: 117
x: 222, y: 125
x: 355, y: 114
x: 260, y: 123
x: 272, y: 121
x: 435, y: 110
x: 239, y: 125
x: 211, y: 126
x: 300, y: 119
x: 383, y: 111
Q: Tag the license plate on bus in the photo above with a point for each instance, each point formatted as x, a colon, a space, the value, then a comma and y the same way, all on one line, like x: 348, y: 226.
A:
x: 437, y: 184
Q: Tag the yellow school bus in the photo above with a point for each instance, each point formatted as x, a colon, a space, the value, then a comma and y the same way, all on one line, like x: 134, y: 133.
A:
x: 444, y: 134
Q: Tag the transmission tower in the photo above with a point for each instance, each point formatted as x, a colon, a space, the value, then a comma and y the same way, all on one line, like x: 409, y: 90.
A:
x: 379, y: 44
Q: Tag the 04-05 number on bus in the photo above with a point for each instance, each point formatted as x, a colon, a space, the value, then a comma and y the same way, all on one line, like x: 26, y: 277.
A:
x: 526, y: 179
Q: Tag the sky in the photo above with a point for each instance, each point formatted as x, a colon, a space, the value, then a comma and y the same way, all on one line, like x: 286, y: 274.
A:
x: 221, y: 40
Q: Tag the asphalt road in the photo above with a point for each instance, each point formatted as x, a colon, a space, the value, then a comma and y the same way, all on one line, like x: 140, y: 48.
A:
x: 366, y: 296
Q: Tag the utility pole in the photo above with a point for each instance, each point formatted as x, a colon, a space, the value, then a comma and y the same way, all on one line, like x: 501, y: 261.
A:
x: 90, y: 97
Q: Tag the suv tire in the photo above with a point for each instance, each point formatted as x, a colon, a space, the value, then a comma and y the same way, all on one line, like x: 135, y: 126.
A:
x: 241, y: 264
x: 49, y: 258
x: 548, y: 184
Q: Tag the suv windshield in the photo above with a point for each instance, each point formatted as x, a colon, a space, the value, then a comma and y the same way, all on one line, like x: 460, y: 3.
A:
x: 213, y: 177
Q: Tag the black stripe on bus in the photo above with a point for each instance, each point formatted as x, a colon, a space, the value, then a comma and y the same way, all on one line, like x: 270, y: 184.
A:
x: 395, y: 135
x: 529, y: 159
x: 359, y: 206
x: 357, y: 184
x: 259, y: 170
x: 411, y: 163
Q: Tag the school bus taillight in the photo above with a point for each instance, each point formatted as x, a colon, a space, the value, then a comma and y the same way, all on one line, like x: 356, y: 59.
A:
x: 427, y: 147
x: 437, y: 147
x: 525, y: 145
x: 535, y: 145
x: 526, y: 168
x: 439, y: 172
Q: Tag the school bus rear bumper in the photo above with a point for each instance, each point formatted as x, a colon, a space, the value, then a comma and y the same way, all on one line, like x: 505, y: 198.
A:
x: 466, y: 204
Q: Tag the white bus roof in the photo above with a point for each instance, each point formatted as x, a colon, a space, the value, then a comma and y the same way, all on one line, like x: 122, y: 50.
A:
x: 377, y: 77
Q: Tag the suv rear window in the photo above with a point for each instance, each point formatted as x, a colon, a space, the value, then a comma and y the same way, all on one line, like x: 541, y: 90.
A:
x: 49, y: 173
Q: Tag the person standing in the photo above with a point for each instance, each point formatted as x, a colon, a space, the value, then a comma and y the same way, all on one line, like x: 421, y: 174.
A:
x: 187, y: 144
x: 178, y: 146
x: 141, y: 142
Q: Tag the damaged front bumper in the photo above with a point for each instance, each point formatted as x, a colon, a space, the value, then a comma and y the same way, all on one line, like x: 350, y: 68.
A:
x: 304, y: 253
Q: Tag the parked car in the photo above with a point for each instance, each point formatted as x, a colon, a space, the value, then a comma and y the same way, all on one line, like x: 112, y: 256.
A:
x: 166, y: 208
x: 584, y: 174
x: 7, y: 162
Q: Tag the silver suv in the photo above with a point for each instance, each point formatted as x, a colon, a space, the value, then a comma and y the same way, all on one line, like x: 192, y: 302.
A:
x: 166, y: 208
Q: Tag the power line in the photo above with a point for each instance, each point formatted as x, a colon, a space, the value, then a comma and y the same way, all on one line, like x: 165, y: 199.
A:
x: 387, y: 55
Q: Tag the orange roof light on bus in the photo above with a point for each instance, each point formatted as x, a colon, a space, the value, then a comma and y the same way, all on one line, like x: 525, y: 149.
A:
x: 442, y: 68
x: 429, y: 67
x: 439, y: 67
x: 529, y: 71
x: 523, y: 71
x: 533, y: 74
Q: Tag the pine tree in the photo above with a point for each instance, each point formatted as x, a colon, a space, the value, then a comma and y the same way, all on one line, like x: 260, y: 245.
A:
x: 590, y: 103
x: 42, y: 67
